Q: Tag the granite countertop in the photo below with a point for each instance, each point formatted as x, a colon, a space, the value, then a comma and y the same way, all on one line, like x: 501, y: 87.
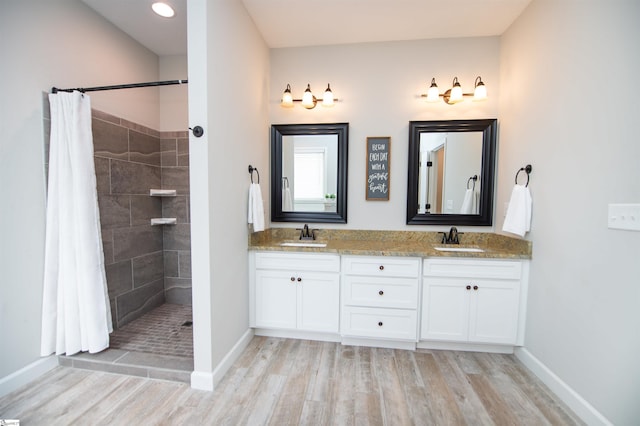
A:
x: 393, y: 243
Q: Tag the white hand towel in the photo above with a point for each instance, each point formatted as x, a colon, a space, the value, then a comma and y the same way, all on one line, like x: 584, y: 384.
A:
x: 256, y: 209
x: 518, y: 219
x: 467, y: 203
x: 287, y: 202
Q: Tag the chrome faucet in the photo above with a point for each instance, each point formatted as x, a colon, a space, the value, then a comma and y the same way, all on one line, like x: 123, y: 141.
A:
x: 306, y: 233
x: 452, y: 237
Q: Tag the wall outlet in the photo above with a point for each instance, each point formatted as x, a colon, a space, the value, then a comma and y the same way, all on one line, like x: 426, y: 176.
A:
x: 624, y: 216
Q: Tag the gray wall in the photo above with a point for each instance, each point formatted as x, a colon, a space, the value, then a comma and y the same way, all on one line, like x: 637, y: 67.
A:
x: 43, y: 44
x: 569, y: 84
x: 228, y: 96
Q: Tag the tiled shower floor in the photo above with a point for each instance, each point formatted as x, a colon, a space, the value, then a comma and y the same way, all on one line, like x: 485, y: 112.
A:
x: 157, y: 345
x: 167, y: 330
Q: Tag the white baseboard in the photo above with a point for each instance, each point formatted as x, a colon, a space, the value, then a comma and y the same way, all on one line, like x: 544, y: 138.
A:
x: 379, y: 343
x: 27, y: 374
x: 207, y: 380
x: 296, y: 334
x: 469, y: 347
x: 579, y: 405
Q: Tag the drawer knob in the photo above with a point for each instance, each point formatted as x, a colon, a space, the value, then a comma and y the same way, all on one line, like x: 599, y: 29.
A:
x: 299, y: 279
x: 381, y: 292
x: 468, y: 287
x: 380, y: 324
x: 475, y: 287
x: 293, y: 278
x: 382, y: 267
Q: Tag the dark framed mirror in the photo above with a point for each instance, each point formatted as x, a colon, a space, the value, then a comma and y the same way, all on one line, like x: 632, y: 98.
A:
x: 451, y: 172
x: 309, y: 172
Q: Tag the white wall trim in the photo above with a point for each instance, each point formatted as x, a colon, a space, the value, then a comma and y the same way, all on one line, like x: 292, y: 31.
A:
x: 27, y: 374
x: 207, y: 381
x: 579, y: 405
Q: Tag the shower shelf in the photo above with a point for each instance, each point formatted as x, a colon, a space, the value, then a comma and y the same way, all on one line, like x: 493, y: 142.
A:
x: 164, y: 221
x: 162, y: 192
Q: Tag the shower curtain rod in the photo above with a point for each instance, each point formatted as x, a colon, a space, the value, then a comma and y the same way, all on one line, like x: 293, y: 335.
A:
x: 121, y: 86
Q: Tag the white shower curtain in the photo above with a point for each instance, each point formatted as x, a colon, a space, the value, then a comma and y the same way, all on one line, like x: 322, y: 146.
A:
x: 76, y: 315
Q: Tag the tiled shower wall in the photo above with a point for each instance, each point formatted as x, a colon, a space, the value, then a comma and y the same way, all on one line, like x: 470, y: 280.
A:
x: 145, y: 265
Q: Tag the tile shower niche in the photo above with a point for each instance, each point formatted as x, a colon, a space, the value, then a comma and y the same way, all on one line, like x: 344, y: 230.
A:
x: 147, y: 264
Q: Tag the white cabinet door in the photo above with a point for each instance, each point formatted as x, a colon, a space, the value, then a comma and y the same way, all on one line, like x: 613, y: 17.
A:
x: 298, y: 301
x: 493, y: 314
x: 276, y: 299
x: 462, y: 309
x: 445, y: 309
x: 319, y: 302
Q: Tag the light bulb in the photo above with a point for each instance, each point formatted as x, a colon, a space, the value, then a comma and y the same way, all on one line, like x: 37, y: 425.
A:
x: 327, y: 98
x: 480, y: 91
x: 287, y: 98
x: 308, y: 100
x: 163, y: 9
x: 433, y: 94
x: 456, y: 92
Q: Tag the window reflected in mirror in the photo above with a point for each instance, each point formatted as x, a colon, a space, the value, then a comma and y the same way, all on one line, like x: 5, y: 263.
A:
x: 309, y: 173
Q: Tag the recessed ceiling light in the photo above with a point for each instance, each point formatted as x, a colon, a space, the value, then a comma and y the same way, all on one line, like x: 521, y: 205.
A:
x: 163, y: 9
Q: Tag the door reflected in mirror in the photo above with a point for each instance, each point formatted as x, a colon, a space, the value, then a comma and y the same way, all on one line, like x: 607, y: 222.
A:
x: 449, y: 161
x: 309, y: 173
x: 451, y: 172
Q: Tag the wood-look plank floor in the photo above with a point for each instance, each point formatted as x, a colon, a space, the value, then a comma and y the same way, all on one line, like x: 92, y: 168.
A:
x: 290, y: 382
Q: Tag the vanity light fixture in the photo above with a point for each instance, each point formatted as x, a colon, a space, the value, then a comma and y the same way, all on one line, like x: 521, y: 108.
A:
x: 163, y: 9
x: 455, y: 94
x: 309, y: 101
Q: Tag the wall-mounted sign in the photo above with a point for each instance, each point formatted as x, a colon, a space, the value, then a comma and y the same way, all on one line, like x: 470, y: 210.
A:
x: 378, y: 173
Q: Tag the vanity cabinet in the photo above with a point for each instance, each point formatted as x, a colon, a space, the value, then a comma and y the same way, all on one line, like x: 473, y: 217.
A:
x: 473, y: 300
x: 380, y: 297
x: 297, y: 291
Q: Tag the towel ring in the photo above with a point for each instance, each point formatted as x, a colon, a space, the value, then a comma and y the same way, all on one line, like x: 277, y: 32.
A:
x: 473, y: 178
x: 527, y: 170
x: 251, y: 170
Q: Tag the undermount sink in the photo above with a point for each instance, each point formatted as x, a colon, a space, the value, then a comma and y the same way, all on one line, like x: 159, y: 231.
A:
x: 303, y: 244
x: 461, y: 249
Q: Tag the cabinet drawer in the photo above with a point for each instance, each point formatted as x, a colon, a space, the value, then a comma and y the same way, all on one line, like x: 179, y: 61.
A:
x: 298, y: 261
x: 380, y: 292
x: 381, y: 266
x: 473, y: 268
x: 400, y: 324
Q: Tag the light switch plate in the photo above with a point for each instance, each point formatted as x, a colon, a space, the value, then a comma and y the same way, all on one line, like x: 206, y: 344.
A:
x: 624, y: 216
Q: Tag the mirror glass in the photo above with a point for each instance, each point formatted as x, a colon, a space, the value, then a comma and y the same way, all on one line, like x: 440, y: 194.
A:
x: 451, y: 172
x: 308, y: 172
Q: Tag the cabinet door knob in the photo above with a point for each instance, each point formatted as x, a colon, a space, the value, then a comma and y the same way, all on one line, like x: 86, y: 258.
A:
x: 382, y: 267
x: 299, y: 279
x: 468, y: 287
x: 293, y: 278
x: 475, y: 287
x: 380, y: 324
x: 381, y: 292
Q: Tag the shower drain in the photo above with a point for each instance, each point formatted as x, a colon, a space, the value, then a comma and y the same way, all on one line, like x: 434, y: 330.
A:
x: 187, y: 323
